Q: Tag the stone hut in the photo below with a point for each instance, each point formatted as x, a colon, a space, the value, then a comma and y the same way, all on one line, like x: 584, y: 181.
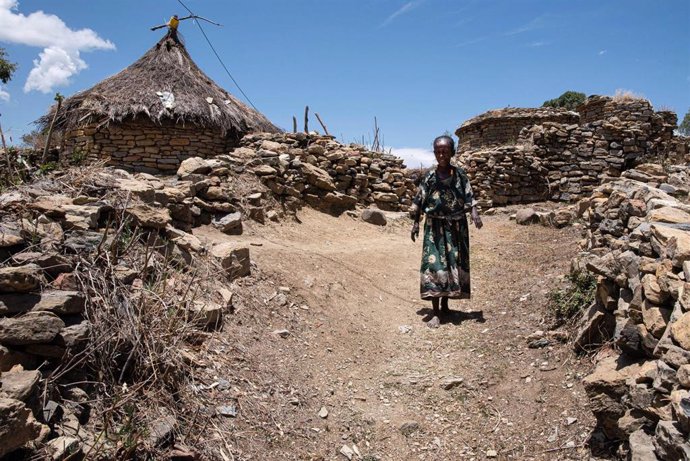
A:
x: 155, y: 113
x: 502, y: 126
x: 513, y: 158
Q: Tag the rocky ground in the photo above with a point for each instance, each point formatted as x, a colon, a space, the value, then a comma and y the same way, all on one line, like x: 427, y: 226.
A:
x: 371, y: 381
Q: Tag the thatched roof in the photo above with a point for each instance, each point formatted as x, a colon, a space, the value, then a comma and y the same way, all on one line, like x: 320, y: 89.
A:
x: 164, y: 84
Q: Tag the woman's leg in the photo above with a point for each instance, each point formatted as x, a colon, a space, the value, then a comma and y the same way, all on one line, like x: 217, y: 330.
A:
x: 444, y: 304
x: 434, y: 305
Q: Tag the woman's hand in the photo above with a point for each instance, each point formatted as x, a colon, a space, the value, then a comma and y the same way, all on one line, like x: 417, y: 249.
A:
x: 415, y: 231
x: 474, y: 217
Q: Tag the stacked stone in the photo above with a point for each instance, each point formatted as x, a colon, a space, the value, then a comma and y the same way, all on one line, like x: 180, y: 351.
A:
x: 638, y: 245
x: 505, y: 175
x: 568, y: 160
x: 324, y: 173
x: 503, y: 126
x: 38, y: 324
x: 144, y: 146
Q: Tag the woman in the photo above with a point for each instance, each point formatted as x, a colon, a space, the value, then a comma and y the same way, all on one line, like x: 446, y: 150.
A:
x: 444, y: 196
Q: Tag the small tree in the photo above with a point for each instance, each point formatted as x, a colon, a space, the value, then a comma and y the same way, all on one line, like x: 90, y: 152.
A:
x: 684, y: 127
x: 568, y: 100
x: 6, y: 68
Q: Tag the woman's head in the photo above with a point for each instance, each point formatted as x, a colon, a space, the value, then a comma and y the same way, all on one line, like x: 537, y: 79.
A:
x: 444, y: 149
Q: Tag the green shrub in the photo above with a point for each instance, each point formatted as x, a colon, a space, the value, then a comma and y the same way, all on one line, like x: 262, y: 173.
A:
x: 48, y: 167
x: 568, y: 100
x: 578, y: 294
x: 78, y: 157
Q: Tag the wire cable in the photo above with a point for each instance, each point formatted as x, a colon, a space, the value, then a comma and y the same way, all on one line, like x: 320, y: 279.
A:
x: 217, y: 55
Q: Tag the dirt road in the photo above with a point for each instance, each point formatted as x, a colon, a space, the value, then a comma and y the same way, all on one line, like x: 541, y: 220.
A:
x: 397, y: 390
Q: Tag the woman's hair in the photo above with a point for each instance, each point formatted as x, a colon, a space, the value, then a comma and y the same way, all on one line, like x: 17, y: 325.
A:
x: 447, y: 139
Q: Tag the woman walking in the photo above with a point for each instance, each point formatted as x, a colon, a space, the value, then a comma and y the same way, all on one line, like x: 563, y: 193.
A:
x: 444, y: 196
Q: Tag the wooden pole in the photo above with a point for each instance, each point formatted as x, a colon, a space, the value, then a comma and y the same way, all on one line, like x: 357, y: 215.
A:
x: 321, y: 122
x: 294, y: 124
x: 306, y: 119
x: 58, y: 98
x: 4, y: 148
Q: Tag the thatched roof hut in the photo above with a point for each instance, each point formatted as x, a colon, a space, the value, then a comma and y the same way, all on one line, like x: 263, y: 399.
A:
x: 163, y: 96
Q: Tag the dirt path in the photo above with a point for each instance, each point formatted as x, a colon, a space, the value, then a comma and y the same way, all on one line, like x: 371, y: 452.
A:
x: 364, y: 353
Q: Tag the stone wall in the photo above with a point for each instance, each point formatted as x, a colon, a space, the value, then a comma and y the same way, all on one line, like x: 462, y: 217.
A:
x: 638, y: 245
x: 142, y: 145
x: 326, y: 174
x: 503, y: 126
x: 566, y: 161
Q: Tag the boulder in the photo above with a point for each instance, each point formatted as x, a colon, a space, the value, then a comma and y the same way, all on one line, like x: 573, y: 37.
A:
x: 193, y: 165
x: 265, y: 170
x: 22, y: 279
x: 19, y: 385
x: 58, y: 302
x: 385, y: 197
x: 184, y: 240
x: 74, y: 336
x: 596, y: 327
x: 64, y: 448
x: 605, y: 388
x: 229, y: 224
x: 683, y: 376
x: 655, y: 318
x: 680, y: 331
x: 31, y: 328
x: 526, y: 216
x: 142, y: 190
x: 669, y: 215
x: 9, y: 237
x: 17, y: 425
x: 149, y: 217
x: 641, y: 447
x: 233, y: 257
x: 81, y: 217
x: 653, y: 291
x: 670, y: 443
x: 318, y: 178
x: 674, y: 242
x: 207, y: 315
x: 376, y: 217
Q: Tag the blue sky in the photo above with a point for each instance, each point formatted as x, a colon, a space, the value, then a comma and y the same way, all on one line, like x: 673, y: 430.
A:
x: 421, y: 67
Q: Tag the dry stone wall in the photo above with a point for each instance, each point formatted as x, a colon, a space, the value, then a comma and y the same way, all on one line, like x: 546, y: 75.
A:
x: 567, y: 161
x: 638, y: 245
x: 503, y: 126
x: 317, y: 170
x: 141, y: 145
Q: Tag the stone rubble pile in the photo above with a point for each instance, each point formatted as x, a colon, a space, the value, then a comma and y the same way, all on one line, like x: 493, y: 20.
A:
x: 43, y: 323
x: 638, y: 245
x: 566, y: 161
x: 319, y: 171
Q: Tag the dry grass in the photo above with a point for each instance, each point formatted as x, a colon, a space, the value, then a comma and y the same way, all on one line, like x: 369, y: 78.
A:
x: 623, y: 95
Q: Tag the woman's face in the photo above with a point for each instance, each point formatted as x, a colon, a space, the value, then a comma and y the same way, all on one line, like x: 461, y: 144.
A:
x: 443, y: 153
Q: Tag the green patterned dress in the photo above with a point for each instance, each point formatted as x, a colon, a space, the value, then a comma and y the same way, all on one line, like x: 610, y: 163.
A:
x: 445, y: 270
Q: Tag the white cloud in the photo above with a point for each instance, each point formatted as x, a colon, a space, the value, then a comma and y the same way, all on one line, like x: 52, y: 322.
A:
x: 602, y: 52
x: 54, y: 68
x: 415, y: 156
x: 4, y: 95
x: 406, y: 8
x: 60, y: 58
x: 537, y: 44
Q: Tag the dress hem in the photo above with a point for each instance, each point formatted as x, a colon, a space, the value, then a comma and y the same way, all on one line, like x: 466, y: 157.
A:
x: 445, y: 294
